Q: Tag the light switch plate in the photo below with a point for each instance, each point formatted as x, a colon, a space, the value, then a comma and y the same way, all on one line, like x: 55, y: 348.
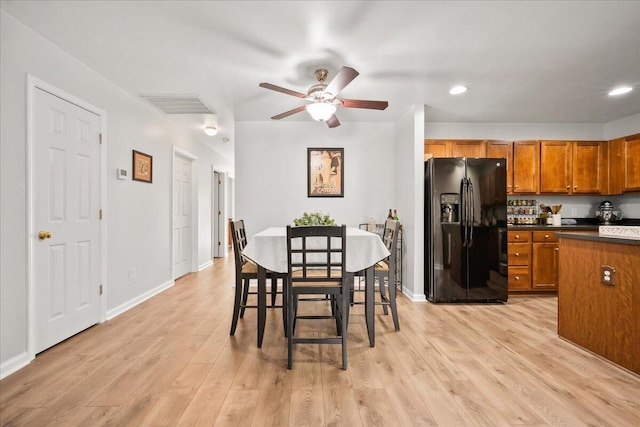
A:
x: 122, y: 173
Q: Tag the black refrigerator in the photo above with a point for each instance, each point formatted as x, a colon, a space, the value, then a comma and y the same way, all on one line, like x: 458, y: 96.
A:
x: 465, y: 230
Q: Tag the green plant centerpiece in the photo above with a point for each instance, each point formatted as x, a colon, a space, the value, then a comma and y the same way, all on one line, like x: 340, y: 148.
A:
x: 314, y: 218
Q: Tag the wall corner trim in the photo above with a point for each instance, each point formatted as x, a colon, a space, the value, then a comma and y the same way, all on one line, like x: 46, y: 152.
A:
x: 205, y: 265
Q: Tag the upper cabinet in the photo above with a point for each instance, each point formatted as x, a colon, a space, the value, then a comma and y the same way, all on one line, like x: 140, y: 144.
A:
x: 503, y: 149
x: 573, y: 167
x: 555, y: 167
x: 526, y: 167
x: 454, y: 148
x: 624, y: 164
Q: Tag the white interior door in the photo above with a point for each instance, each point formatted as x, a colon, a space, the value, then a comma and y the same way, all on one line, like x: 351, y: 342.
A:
x: 66, y: 215
x: 218, y: 222
x: 182, y: 216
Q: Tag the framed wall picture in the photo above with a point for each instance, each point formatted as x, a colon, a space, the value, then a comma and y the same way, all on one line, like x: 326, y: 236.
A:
x: 142, y: 167
x: 325, y: 172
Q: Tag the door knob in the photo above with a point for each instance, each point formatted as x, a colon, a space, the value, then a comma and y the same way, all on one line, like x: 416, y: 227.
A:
x: 45, y: 235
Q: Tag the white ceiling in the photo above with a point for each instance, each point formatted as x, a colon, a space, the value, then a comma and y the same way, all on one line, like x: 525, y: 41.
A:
x: 524, y: 62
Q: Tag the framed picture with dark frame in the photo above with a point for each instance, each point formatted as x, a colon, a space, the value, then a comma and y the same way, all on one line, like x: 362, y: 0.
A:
x: 142, y: 167
x: 325, y: 172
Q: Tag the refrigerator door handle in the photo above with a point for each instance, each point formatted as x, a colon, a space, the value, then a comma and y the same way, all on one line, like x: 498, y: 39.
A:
x: 463, y: 220
x: 472, y: 211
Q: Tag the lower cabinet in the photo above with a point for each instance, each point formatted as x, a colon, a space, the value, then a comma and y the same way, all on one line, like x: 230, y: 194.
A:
x: 544, y: 269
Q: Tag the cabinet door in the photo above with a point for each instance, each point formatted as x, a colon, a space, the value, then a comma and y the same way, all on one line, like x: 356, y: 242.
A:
x: 503, y: 149
x: 555, y: 167
x: 473, y: 149
x: 526, y: 164
x: 545, y: 266
x: 632, y: 163
x: 589, y: 169
x: 436, y: 148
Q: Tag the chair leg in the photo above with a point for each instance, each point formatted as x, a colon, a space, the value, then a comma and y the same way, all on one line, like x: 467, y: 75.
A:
x: 290, y: 319
x: 236, y: 307
x: 343, y: 309
x: 285, y: 302
x: 392, y: 303
x: 274, y: 288
x: 245, y: 295
x: 383, y: 293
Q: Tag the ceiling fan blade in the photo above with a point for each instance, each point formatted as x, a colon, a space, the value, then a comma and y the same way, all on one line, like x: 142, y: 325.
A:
x: 333, y: 121
x: 290, y: 112
x: 342, y: 79
x: 282, y: 90
x: 361, y: 103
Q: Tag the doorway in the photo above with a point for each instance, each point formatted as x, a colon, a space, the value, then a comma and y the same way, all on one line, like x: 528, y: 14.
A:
x: 184, y: 213
x: 65, y: 176
x: 218, y: 214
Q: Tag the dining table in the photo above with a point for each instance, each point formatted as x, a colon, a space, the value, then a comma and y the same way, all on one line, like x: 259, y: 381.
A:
x: 268, y: 250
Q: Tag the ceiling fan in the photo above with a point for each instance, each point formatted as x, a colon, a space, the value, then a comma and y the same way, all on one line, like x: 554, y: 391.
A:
x: 324, y: 98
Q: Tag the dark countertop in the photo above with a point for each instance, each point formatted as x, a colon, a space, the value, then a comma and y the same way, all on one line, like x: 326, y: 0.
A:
x: 593, y: 237
x: 552, y: 227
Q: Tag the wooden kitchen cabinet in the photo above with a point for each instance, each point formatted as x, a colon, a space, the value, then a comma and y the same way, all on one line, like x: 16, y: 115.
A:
x: 519, y: 260
x: 436, y: 148
x: 589, y: 167
x: 624, y: 164
x: 573, y: 167
x: 454, y: 148
x: 503, y: 149
x: 544, y: 267
x: 526, y: 167
x: 555, y: 167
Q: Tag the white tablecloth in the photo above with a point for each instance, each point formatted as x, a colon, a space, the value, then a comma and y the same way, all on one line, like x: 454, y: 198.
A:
x: 269, y: 249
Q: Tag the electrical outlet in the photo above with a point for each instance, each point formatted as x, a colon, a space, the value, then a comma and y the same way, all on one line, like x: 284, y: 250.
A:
x: 607, y: 275
x: 574, y: 212
x: 132, y: 274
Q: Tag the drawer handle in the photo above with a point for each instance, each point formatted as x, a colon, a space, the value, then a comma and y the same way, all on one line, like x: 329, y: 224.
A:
x: 517, y: 277
x: 517, y: 254
x: 557, y: 249
x: 568, y: 187
x: 517, y: 236
x: 546, y: 236
x: 515, y: 186
x: 575, y: 187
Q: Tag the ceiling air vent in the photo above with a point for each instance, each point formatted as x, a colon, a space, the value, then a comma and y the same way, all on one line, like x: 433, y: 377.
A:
x: 179, y: 104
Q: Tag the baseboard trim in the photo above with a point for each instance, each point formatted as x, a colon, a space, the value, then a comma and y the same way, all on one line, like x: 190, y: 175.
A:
x: 138, y: 300
x: 14, y: 364
x: 205, y: 265
x: 414, y: 297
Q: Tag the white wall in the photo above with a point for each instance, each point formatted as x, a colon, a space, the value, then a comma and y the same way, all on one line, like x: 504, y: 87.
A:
x: 138, y: 215
x: 271, y: 176
x: 623, y: 127
x: 410, y: 196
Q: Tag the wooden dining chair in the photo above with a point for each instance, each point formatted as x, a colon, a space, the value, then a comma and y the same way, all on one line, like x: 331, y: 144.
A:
x: 385, y: 272
x: 316, y: 266
x: 245, y: 272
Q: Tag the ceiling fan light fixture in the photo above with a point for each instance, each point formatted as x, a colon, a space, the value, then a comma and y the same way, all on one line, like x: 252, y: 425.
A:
x: 620, y: 90
x: 210, y: 130
x: 321, y: 111
x: 457, y: 90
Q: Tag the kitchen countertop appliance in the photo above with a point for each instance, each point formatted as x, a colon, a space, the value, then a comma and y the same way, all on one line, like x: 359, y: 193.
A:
x: 606, y: 214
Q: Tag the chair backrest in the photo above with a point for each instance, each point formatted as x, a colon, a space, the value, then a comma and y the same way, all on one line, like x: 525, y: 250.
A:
x: 390, y: 239
x: 316, y: 253
x: 239, y: 237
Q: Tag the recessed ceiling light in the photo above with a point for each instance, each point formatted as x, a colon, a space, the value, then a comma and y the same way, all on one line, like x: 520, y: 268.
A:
x: 457, y: 90
x: 211, y: 131
x: 620, y: 90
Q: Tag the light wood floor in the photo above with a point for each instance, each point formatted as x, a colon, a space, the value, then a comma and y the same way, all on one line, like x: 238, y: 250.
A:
x: 171, y: 361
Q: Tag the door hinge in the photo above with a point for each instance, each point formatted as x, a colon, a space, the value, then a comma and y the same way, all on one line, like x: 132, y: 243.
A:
x: 218, y: 243
x: 100, y: 138
x: 219, y: 182
x: 100, y: 214
x: 100, y: 289
x: 219, y: 213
